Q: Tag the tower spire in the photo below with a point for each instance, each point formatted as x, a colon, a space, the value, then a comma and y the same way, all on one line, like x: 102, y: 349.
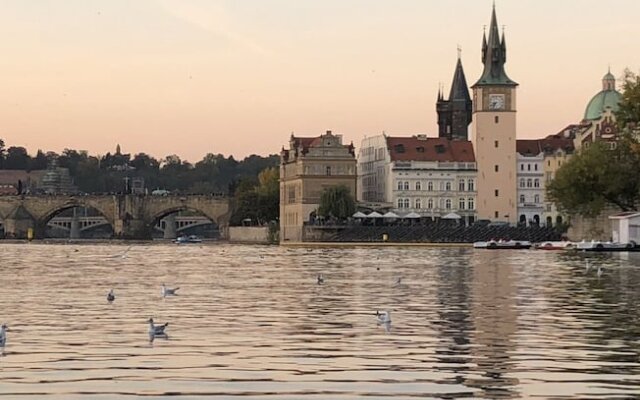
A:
x: 494, y: 56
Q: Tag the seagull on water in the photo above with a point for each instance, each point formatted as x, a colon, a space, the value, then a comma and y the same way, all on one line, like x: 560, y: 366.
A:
x: 320, y: 279
x: 383, y: 317
x: 111, y: 296
x: 600, y: 271
x: 156, y: 330
x: 587, y: 265
x: 168, y: 291
x: 3, y: 334
x: 399, y: 281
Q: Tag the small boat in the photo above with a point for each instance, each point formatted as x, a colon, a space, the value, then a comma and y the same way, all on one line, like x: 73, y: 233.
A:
x: 596, y: 245
x: 187, y: 239
x: 553, y: 245
x: 503, y: 245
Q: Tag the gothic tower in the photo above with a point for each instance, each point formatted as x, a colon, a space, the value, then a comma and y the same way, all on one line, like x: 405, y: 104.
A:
x: 494, y: 131
x: 454, y: 114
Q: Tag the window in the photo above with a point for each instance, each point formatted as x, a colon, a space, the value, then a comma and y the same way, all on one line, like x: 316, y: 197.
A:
x: 536, y: 182
x: 496, y: 214
x: 529, y: 183
x: 328, y: 170
x: 407, y: 203
x: 496, y: 168
x: 418, y: 204
x: 521, y: 167
x: 497, y: 193
x: 496, y: 144
x: 430, y: 186
x: 528, y: 167
x: 536, y: 198
x: 470, y: 203
x: 497, y: 119
x: 447, y: 204
x: 470, y: 185
x: 430, y: 204
x: 418, y: 186
x: 399, y: 185
x: 447, y: 186
x: 461, y: 204
x: 522, y: 199
x: 406, y: 185
x: 535, y: 167
x: 521, y: 182
x: 461, y: 185
x: 400, y: 203
x: 548, y: 163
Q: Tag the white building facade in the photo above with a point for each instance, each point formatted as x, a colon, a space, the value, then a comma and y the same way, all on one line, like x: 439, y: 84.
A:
x: 531, y: 183
x: 432, y: 177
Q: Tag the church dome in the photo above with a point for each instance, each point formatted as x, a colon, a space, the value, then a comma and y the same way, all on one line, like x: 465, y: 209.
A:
x: 608, y: 97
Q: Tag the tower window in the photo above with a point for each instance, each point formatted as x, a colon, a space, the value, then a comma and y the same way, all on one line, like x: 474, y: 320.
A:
x: 496, y: 214
x: 496, y: 144
x: 496, y: 168
x: 497, y: 193
x: 497, y: 119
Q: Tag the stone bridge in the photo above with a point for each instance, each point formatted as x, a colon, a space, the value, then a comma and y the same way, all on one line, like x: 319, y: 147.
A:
x: 130, y: 216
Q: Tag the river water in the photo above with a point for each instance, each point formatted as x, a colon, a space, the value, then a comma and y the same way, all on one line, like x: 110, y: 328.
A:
x: 251, y: 322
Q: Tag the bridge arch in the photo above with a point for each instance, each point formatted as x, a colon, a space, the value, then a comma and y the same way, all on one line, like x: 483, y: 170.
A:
x: 42, y: 221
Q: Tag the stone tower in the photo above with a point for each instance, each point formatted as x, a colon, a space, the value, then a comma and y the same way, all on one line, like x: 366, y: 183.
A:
x: 494, y: 131
x: 454, y: 114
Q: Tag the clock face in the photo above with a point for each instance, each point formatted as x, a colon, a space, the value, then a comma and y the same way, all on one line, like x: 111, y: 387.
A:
x: 496, y: 102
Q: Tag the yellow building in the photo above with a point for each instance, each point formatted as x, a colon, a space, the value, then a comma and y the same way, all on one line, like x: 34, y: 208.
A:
x: 494, y: 132
x: 307, y: 168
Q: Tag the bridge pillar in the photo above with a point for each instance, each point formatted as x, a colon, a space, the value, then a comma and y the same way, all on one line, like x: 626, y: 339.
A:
x: 18, y: 223
x: 170, y: 230
x: 74, y: 232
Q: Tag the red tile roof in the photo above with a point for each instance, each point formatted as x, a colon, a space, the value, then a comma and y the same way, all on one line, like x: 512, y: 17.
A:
x: 430, y: 149
x: 528, y: 147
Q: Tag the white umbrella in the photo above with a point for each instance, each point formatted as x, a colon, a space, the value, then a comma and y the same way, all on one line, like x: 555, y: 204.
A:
x: 391, y: 215
x: 412, y: 215
x: 452, y: 216
x: 374, y: 215
x: 359, y: 215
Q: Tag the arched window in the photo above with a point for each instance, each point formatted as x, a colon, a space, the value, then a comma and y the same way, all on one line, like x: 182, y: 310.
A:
x: 549, y: 222
x: 447, y: 186
x: 536, y: 198
x: 418, y: 185
x: 470, y: 203
x: 536, y: 219
x: 400, y: 203
x: 407, y: 203
x: 399, y: 185
x: 521, y: 182
x: 461, y: 185
x: 470, y: 185
x: 430, y: 186
x: 536, y: 182
x: 522, y: 199
x: 406, y: 185
x: 418, y: 204
x: 523, y: 219
x: 529, y: 182
x: 447, y: 204
x: 430, y: 204
x: 559, y: 219
x: 461, y: 204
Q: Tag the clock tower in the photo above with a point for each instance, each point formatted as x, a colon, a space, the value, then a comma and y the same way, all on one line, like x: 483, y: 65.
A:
x: 494, y: 131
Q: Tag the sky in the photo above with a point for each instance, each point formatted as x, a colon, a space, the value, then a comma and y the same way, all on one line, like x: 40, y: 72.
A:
x: 237, y: 77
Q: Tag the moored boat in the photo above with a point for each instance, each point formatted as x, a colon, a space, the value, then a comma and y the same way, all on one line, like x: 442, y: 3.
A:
x: 555, y: 245
x: 187, y: 239
x: 503, y: 245
x: 596, y: 245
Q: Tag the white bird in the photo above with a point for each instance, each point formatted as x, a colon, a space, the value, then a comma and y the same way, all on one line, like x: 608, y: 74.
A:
x: 3, y: 334
x: 600, y: 271
x: 383, y: 317
x: 320, y: 279
x: 156, y: 330
x: 587, y: 266
x: 399, y: 281
x: 168, y: 291
x: 111, y: 296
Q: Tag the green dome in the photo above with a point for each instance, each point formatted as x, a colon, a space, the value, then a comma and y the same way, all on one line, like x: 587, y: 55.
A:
x: 599, y: 102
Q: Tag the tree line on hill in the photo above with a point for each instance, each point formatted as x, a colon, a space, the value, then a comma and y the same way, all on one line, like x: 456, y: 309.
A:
x: 253, y: 181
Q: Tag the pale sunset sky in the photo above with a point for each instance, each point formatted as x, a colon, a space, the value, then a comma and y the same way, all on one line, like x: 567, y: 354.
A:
x: 190, y: 77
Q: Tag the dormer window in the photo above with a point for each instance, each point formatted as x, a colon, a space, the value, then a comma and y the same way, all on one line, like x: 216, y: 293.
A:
x: 399, y: 148
x: 420, y: 149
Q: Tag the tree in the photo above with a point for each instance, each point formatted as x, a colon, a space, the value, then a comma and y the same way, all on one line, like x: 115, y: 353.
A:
x: 597, y: 176
x: 628, y: 114
x: 17, y: 158
x: 337, y: 202
x: 2, y: 151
